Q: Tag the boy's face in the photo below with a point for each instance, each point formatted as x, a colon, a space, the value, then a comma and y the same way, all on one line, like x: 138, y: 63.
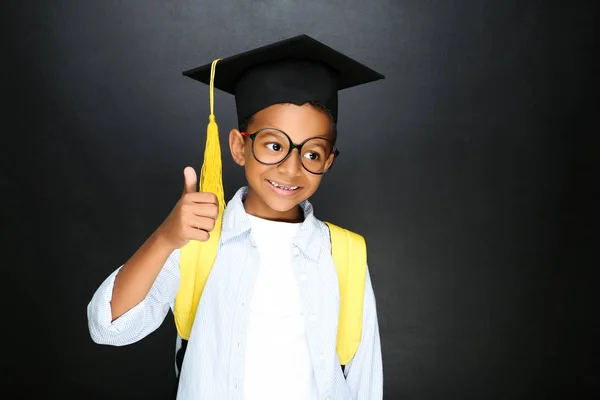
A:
x: 264, y: 198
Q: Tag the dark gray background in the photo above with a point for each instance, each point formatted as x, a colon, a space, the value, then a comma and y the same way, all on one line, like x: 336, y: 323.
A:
x: 469, y: 170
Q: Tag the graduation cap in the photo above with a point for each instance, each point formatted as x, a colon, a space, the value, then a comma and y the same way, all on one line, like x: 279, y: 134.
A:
x: 296, y: 70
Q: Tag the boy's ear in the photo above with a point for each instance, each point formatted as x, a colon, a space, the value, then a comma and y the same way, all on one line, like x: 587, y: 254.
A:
x: 237, y: 146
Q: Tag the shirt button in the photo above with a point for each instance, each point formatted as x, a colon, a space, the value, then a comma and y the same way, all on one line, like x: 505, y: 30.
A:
x: 296, y: 251
x: 239, y: 344
x: 303, y: 276
x: 313, y: 317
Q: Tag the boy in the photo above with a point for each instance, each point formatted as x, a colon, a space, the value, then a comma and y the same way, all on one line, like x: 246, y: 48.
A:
x: 267, y: 321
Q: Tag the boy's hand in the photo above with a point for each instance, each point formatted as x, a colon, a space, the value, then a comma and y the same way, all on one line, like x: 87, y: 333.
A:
x: 193, y: 217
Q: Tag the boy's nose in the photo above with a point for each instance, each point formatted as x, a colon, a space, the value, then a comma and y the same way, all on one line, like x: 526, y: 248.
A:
x: 291, y: 166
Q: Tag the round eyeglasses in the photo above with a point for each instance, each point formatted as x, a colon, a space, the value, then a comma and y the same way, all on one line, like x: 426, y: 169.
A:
x: 271, y: 146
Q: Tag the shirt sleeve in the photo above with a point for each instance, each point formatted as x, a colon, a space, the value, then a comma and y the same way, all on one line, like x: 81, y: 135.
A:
x: 140, y: 320
x: 364, y: 374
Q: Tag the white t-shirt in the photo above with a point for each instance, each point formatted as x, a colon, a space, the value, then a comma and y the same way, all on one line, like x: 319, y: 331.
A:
x: 276, y: 332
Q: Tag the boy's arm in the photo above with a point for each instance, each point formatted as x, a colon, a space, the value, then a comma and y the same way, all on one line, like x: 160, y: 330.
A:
x: 364, y: 373
x: 192, y: 218
x: 142, y: 319
x: 135, y: 299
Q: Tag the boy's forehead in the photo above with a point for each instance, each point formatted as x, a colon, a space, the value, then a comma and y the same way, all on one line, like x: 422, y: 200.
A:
x: 296, y: 71
x: 298, y: 122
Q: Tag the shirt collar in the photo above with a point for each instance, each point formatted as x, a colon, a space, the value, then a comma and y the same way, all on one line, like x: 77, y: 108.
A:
x: 308, y: 239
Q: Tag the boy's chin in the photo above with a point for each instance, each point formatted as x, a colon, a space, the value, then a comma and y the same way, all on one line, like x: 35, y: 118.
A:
x: 283, y: 205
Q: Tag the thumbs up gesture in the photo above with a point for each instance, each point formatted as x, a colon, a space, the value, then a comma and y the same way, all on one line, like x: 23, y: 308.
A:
x: 194, y: 215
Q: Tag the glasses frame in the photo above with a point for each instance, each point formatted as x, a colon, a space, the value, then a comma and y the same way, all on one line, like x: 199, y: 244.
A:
x: 293, y: 146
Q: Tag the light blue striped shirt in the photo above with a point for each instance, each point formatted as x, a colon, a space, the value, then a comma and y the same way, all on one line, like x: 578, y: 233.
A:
x: 213, y: 367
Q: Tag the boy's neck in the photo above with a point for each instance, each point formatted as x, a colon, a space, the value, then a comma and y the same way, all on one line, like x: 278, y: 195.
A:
x: 256, y: 207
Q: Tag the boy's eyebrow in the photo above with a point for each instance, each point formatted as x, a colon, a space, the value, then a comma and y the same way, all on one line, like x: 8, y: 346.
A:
x: 322, y: 136
x: 322, y: 145
x: 270, y: 131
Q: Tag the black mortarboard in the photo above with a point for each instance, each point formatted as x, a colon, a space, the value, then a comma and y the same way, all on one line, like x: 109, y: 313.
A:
x: 295, y: 70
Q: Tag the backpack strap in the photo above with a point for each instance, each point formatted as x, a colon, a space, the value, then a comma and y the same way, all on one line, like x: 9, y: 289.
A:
x: 349, y: 253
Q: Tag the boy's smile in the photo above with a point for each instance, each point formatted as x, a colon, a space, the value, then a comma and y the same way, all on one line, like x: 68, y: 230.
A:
x: 274, y: 191
x: 284, y: 189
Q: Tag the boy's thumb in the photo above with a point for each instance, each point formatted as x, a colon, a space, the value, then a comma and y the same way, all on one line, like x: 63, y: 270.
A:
x: 191, y: 180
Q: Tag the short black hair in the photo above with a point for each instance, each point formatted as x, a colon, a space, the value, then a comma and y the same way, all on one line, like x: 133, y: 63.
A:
x: 320, y: 107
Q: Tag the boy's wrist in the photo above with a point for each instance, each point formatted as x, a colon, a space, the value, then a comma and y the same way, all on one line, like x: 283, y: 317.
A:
x: 162, y: 243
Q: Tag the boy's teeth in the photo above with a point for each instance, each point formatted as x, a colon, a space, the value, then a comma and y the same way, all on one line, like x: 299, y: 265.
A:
x: 282, y: 186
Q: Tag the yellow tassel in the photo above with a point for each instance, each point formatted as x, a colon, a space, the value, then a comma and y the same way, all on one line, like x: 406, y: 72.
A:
x: 211, y: 176
x: 197, y: 258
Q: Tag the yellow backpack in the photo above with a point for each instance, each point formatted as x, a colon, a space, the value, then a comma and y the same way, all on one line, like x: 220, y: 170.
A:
x: 350, y: 258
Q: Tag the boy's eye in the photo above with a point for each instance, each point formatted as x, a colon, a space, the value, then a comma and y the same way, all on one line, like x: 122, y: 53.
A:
x: 274, y: 146
x: 311, y: 155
